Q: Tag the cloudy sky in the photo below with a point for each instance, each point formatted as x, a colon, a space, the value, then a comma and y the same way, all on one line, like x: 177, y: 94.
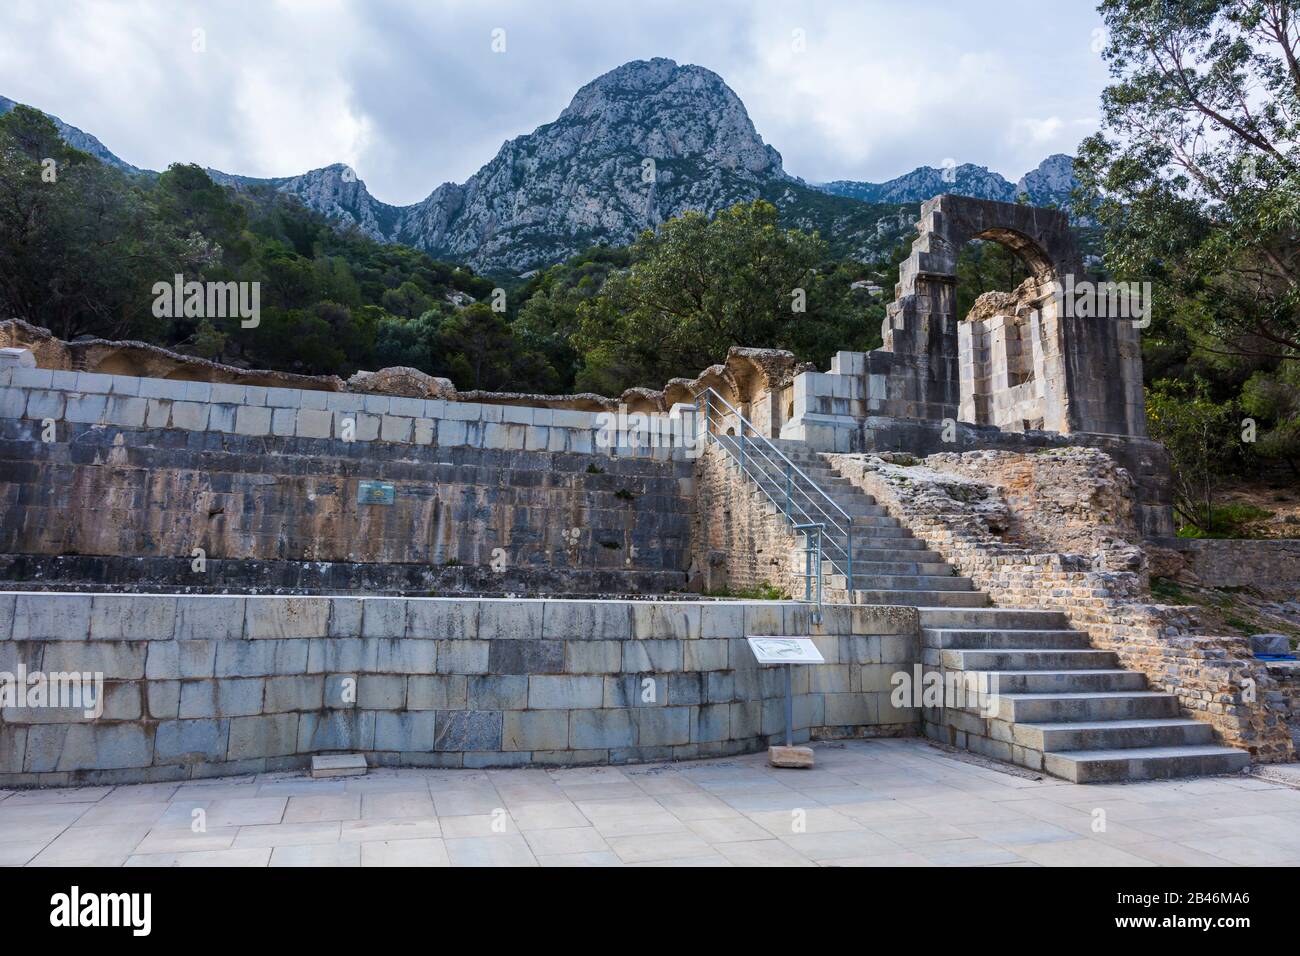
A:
x: 412, y: 94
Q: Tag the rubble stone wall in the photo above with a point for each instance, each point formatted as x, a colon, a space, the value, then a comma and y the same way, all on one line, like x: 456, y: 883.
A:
x: 739, y: 539
x: 1271, y: 564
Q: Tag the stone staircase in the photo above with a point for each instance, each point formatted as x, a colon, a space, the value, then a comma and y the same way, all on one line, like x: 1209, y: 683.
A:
x: 1056, y: 704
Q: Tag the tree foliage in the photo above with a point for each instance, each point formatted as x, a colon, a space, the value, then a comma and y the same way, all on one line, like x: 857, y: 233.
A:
x: 1193, y: 179
x: 698, y: 286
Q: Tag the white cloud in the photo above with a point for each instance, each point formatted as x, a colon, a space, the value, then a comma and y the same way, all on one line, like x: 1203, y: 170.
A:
x: 410, y: 94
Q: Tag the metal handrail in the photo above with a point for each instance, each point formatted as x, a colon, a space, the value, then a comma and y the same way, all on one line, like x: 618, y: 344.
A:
x: 764, y: 448
x: 812, y: 560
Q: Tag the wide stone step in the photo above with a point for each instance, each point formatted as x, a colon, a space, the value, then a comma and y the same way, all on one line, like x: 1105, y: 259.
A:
x: 875, y: 537
x: 1027, y: 659
x: 1114, y: 734
x: 903, y: 582
x: 889, y: 566
x: 820, y: 490
x: 867, y: 582
x: 866, y: 527
x: 1144, y: 763
x: 1065, y: 681
x: 993, y: 618
x: 979, y: 639
x: 931, y: 599
x: 870, y: 548
x: 864, y: 523
x: 1065, y: 708
x: 819, y: 510
x: 914, y: 551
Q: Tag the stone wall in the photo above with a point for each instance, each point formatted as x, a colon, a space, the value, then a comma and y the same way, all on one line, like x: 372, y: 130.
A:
x: 740, y: 540
x: 113, y: 467
x: 960, y: 505
x: 205, y: 686
x: 1270, y: 564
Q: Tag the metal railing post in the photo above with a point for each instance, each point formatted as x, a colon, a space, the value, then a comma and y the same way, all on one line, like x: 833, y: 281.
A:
x: 821, y: 562
x: 789, y: 493
x: 742, y: 444
x: 848, y: 559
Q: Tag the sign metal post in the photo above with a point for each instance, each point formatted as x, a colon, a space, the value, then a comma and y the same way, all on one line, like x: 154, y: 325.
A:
x: 787, y: 651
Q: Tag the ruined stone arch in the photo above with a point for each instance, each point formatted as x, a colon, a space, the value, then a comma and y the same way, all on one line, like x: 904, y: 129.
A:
x: 1088, y: 370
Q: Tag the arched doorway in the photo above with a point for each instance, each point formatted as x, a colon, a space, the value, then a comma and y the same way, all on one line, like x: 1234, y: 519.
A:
x: 1073, y: 374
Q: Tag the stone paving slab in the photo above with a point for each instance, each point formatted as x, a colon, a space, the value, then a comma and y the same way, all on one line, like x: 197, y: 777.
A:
x: 868, y: 803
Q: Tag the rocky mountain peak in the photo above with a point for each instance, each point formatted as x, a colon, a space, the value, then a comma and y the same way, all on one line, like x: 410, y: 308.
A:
x: 585, y: 179
x: 1051, y: 182
x: 669, y: 111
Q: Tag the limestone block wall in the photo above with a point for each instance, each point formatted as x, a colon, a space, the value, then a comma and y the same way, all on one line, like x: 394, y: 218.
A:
x: 102, y: 470
x: 91, y: 398
x: 204, y: 686
x: 1103, y: 591
x: 1005, y: 378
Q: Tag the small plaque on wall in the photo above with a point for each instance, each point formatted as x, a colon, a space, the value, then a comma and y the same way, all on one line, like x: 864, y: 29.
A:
x: 375, y: 493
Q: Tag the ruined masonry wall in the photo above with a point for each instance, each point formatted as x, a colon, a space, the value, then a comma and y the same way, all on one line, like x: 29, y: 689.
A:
x: 967, y: 519
x: 151, y: 469
x: 739, y: 540
x: 1272, y: 565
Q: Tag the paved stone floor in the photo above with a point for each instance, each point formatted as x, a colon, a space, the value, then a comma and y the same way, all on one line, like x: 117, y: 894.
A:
x: 871, y: 803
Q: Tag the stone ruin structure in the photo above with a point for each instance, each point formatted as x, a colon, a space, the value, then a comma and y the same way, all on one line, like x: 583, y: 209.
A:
x: 224, y: 543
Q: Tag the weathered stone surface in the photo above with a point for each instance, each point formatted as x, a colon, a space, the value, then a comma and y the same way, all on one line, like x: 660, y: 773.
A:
x: 402, y: 380
x: 288, y: 617
x: 505, y: 691
x: 800, y: 758
x: 218, y: 618
x: 535, y: 730
x: 338, y: 765
x: 602, y: 729
x: 459, y: 730
x: 414, y: 731
x: 336, y: 730
x: 437, y: 692
x: 246, y: 692
x: 40, y: 617
x: 274, y: 735
x: 547, y: 692
x: 191, y: 741
x: 527, y: 657
x: 131, y: 618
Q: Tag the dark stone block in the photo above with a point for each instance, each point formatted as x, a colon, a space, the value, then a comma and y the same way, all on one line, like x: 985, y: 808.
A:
x: 461, y: 730
x: 526, y: 657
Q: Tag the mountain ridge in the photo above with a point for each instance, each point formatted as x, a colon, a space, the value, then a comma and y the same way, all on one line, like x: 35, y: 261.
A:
x: 637, y: 145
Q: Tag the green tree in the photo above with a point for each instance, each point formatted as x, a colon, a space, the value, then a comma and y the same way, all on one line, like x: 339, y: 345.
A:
x: 1273, y: 399
x: 79, y: 250
x: 548, y: 321
x: 1194, y: 172
x: 1193, y: 179
x: 695, y: 288
x: 1202, y: 436
x: 479, y: 351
